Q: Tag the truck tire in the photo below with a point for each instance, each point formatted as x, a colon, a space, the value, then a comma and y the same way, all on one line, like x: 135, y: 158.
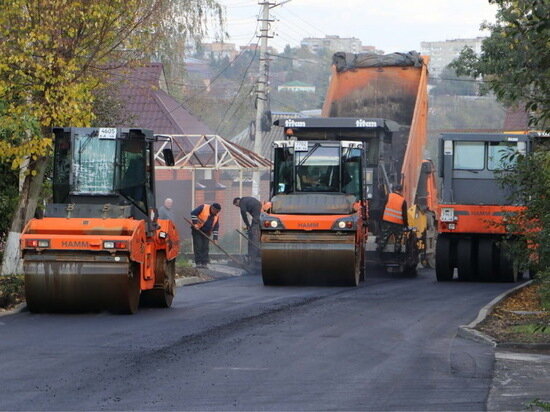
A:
x: 443, y: 263
x: 466, y: 260
x: 486, y: 264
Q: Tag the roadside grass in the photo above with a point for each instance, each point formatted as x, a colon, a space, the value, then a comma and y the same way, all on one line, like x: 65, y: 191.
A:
x: 532, y: 328
x: 12, y: 291
x: 537, y: 404
x: 185, y: 268
x: 521, y: 317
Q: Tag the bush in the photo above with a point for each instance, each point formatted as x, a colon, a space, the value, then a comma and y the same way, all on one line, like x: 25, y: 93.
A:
x: 544, y: 279
x: 12, y: 290
x: 530, y: 184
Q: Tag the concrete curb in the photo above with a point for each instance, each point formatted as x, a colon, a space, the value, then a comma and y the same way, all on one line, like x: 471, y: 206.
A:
x: 191, y: 280
x: 469, y: 332
x: 17, y: 309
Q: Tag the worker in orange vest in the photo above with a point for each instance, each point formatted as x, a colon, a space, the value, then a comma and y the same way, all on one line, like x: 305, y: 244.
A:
x: 206, y: 220
x: 395, y: 210
x: 394, y: 219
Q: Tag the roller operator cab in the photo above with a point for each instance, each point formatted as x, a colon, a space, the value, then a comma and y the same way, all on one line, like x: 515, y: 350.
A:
x: 314, y: 231
x: 474, y: 205
x: 100, y: 244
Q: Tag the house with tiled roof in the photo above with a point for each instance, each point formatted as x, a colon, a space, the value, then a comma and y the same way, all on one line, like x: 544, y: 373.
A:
x: 143, y: 93
x: 516, y: 119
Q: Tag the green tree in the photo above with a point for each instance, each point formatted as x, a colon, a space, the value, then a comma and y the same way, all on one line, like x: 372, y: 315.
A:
x: 449, y: 84
x: 530, y: 183
x: 515, y: 58
x: 53, y: 55
x: 515, y: 65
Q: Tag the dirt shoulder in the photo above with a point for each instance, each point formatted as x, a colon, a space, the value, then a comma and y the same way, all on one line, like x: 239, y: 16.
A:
x: 519, y: 318
x: 12, y: 291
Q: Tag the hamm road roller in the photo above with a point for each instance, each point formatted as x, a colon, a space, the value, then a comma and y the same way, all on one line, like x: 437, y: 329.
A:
x: 100, y: 245
x: 315, y: 228
x: 474, y: 205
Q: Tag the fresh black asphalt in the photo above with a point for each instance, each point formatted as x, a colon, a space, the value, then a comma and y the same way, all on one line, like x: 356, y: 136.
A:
x: 234, y: 344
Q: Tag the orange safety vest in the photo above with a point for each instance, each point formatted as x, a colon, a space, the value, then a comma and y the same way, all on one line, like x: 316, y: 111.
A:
x: 204, y: 215
x: 393, y: 212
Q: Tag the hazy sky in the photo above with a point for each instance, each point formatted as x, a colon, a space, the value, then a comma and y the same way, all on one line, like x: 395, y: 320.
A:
x: 390, y: 25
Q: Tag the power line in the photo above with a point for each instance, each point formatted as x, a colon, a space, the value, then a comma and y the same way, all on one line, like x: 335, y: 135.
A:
x: 186, y: 101
x: 293, y: 58
x: 293, y: 27
x: 239, y: 89
x: 299, y: 18
x: 250, y: 90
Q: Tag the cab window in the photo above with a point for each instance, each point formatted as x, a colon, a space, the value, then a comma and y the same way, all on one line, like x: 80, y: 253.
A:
x: 469, y: 155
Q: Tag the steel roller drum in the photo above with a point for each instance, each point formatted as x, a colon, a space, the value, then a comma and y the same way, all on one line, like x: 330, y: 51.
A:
x: 55, y: 283
x: 309, y: 259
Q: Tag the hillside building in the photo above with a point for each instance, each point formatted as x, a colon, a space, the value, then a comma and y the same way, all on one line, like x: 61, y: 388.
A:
x: 444, y: 52
x: 296, y: 86
x: 333, y: 43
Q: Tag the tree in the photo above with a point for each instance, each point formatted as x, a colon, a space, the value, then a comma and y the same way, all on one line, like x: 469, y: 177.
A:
x: 529, y: 183
x: 449, y: 84
x: 515, y: 64
x: 53, y: 55
x: 515, y: 58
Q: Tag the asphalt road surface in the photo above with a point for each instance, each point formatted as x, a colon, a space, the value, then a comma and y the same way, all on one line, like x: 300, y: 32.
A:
x: 235, y: 344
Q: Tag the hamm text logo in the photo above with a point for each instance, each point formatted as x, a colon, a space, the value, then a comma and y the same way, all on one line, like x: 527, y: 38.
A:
x: 75, y: 243
x: 308, y: 225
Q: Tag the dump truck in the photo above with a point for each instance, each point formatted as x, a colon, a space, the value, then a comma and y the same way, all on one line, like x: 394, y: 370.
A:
x: 100, y: 245
x: 315, y: 225
x: 392, y: 87
x: 474, y: 206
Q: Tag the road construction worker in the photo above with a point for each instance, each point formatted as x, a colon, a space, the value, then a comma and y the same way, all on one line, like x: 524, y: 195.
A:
x: 394, y: 218
x: 165, y: 211
x: 252, y: 206
x: 205, y: 219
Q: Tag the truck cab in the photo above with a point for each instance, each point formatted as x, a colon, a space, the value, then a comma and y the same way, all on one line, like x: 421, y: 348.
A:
x: 474, y: 204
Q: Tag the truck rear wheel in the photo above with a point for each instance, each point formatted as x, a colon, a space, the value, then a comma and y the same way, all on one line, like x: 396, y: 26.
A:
x: 443, y: 262
x: 466, y: 260
x: 486, y: 259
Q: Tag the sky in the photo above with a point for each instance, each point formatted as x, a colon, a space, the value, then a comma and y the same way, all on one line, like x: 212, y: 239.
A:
x: 389, y: 25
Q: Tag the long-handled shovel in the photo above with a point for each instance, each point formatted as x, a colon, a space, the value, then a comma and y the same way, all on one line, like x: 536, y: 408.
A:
x: 257, y: 245
x: 238, y: 262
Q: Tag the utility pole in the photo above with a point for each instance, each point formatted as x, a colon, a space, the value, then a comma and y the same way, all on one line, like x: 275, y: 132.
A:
x: 261, y: 88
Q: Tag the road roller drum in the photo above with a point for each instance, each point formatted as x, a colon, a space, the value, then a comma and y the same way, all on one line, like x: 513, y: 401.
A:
x: 55, y: 285
x: 309, y: 259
